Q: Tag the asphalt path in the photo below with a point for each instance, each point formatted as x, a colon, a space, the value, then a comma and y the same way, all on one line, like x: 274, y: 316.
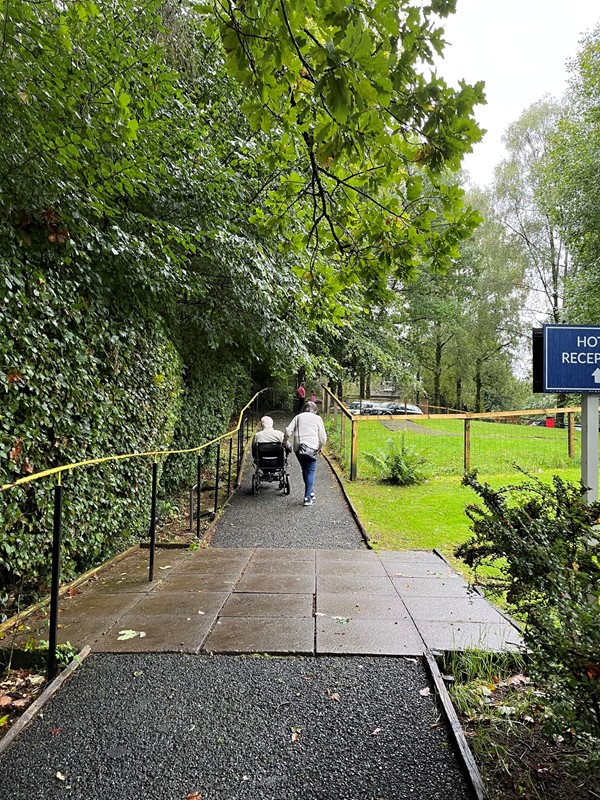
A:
x: 273, y: 519
x: 171, y: 727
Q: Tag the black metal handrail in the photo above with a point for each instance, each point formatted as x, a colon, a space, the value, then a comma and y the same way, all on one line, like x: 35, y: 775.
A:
x: 242, y: 431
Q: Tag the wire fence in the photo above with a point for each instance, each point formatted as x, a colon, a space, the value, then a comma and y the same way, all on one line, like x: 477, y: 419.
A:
x: 450, y: 444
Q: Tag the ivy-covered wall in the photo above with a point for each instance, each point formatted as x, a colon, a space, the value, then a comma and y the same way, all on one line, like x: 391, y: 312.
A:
x: 81, y: 381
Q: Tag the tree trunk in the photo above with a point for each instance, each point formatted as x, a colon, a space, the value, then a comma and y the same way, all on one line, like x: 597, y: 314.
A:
x: 369, y: 386
x: 361, y: 386
x: 478, y: 383
x: 459, y: 393
x: 437, y: 368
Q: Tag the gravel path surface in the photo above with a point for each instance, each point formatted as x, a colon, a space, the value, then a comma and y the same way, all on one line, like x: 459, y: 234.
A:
x: 164, y: 727
x: 272, y: 519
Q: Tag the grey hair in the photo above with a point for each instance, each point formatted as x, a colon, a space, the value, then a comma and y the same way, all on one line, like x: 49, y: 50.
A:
x: 310, y: 406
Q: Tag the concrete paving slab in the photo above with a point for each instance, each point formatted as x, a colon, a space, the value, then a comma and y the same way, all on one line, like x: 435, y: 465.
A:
x: 419, y: 569
x: 273, y: 583
x: 360, y: 568
x: 203, y: 560
x: 421, y: 556
x: 163, y: 634
x: 265, y: 567
x: 261, y: 635
x: 181, y: 603
x: 469, y: 635
x: 375, y: 637
x: 367, y: 556
x: 432, y: 587
x: 282, y: 605
x: 199, y: 582
x: 126, y: 582
x: 361, y: 606
x: 456, y: 609
x: 91, y: 604
x: 349, y: 584
x: 79, y: 630
x: 284, y: 555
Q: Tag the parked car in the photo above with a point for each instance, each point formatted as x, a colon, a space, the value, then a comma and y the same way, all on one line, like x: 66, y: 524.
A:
x: 399, y: 408
x: 363, y: 407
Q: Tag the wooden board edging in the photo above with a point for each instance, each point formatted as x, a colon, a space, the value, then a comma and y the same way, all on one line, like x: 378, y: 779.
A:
x: 457, y: 734
x: 37, y: 705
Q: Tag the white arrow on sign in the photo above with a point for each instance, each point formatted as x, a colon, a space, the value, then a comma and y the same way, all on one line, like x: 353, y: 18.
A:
x: 596, y: 375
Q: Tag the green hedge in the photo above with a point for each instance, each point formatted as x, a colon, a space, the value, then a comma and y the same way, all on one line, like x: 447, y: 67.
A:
x: 80, y: 380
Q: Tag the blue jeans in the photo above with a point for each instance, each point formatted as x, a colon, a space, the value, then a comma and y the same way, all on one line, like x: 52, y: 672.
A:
x: 309, y: 465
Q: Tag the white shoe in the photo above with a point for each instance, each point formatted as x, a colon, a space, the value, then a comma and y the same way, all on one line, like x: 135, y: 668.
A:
x: 308, y: 501
x: 313, y: 496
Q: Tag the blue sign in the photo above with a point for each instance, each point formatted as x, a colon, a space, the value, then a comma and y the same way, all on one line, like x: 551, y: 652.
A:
x: 572, y: 358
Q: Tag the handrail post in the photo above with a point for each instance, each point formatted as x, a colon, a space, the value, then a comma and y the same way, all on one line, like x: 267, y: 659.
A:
x: 342, y: 431
x: 56, y: 542
x: 238, y: 466
x: 198, y: 493
x: 229, y: 466
x: 354, y: 450
x: 218, y: 467
x: 467, y: 445
x: 153, y: 522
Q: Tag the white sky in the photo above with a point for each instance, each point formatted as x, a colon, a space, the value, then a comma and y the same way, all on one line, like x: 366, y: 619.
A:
x: 520, y: 49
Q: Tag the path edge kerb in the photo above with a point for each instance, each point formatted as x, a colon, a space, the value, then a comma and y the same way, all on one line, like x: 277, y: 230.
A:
x: 466, y: 757
x: 353, y: 511
x: 34, y: 709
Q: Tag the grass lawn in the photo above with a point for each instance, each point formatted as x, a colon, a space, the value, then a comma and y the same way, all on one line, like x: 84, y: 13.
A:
x: 433, y: 514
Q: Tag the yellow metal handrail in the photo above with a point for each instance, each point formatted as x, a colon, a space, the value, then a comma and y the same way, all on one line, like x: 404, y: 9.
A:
x: 150, y: 454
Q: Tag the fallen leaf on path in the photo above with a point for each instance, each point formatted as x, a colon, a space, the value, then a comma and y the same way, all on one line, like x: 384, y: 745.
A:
x: 296, y: 734
x: 376, y: 732
x: 60, y: 776
x: 167, y: 567
x: 425, y: 692
x: 5, y: 701
x: 194, y: 796
x: 332, y: 695
x: 127, y: 634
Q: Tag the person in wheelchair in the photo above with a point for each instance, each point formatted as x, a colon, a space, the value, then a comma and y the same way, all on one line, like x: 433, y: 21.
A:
x: 269, y: 454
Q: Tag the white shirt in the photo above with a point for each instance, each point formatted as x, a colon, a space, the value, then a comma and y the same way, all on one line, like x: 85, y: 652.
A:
x: 307, y: 428
x: 268, y: 435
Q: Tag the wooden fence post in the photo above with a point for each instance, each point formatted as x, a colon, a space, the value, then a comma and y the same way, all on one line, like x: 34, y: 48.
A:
x: 354, y: 450
x: 342, y: 431
x: 571, y: 434
x: 467, y: 450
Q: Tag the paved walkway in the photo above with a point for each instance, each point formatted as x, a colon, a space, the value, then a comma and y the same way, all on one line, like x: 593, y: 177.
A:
x: 282, y: 578
x: 159, y: 711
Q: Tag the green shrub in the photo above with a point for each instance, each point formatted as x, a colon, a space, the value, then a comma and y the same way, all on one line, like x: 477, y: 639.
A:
x: 546, y: 538
x: 398, y: 464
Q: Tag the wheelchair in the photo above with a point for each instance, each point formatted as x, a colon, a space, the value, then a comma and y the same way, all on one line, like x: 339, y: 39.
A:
x: 270, y: 466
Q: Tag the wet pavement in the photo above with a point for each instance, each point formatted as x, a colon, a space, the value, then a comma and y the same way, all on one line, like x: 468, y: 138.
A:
x: 281, y: 660
x: 171, y: 727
